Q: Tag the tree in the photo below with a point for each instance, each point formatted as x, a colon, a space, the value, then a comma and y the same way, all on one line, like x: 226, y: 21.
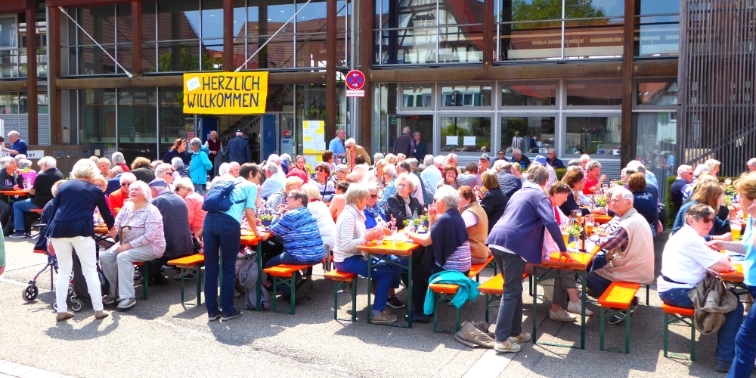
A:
x: 537, y: 10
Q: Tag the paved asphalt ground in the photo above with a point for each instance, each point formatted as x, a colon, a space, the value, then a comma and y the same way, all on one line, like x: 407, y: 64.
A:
x: 161, y: 338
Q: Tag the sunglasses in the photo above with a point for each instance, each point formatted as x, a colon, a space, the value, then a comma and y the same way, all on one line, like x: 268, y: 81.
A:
x: 122, y: 185
x: 708, y: 220
x: 373, y: 196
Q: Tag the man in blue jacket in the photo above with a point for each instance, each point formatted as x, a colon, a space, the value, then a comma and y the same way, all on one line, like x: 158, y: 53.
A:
x: 238, y: 149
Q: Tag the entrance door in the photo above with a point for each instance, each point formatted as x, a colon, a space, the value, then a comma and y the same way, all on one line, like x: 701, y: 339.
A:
x: 291, y: 140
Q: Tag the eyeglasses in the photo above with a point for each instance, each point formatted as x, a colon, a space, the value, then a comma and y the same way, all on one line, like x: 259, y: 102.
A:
x: 373, y: 196
x: 122, y: 185
x: 708, y: 220
x: 177, y: 189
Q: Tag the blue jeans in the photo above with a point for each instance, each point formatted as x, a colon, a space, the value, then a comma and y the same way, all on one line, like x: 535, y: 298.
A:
x: 222, y: 235
x: 725, y: 335
x: 509, y: 320
x: 386, y: 276
x: 596, y: 284
x: 19, y: 208
x: 599, y: 261
x: 745, y: 349
x: 199, y: 188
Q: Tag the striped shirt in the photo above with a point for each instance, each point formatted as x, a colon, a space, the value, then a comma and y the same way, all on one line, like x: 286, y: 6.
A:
x: 460, y: 260
x: 299, y: 231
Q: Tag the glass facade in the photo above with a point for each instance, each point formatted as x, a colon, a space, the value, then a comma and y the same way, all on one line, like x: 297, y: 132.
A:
x: 655, y: 127
x: 14, y: 56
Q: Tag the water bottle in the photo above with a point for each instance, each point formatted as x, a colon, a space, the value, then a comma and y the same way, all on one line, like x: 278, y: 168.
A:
x: 412, y: 220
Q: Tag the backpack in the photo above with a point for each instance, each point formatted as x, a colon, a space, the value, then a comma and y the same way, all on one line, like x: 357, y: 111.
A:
x: 218, y: 199
x: 248, y: 279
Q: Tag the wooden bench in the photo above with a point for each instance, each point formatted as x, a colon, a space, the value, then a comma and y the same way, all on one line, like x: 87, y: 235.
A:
x: 475, y: 269
x: 193, y: 264
x: 145, y: 277
x: 340, y: 279
x: 617, y: 298
x: 286, y: 275
x: 493, y: 288
x: 38, y: 211
x: 444, y: 292
x: 673, y: 315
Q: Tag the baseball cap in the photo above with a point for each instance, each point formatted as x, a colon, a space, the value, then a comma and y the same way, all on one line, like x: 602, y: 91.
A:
x: 540, y: 160
x: 158, y: 182
x: 485, y: 157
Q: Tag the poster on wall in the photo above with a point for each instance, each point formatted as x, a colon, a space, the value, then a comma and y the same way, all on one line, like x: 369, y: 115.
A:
x: 225, y: 93
x: 313, y: 142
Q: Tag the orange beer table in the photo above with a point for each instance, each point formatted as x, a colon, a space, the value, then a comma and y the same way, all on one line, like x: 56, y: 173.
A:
x: 396, y: 248
x: 559, y: 267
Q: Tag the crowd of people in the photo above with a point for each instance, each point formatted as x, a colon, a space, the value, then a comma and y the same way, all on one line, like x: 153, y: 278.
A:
x: 471, y: 212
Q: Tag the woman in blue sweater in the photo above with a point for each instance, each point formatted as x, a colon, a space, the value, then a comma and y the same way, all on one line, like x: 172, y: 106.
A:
x: 708, y: 194
x: 199, y: 165
x: 643, y: 201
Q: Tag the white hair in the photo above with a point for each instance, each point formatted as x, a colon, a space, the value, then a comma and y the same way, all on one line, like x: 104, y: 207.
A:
x: 751, y: 162
x: 350, y: 142
x: 624, y: 194
x: 19, y: 157
x: 224, y: 168
x: 49, y: 161
x: 391, y: 170
x: 428, y: 160
x: 439, y: 160
x: 144, y: 188
x: 24, y: 163
x: 453, y: 157
x: 271, y: 167
x: 14, y: 132
x: 127, y: 178
x: 449, y: 195
x: 516, y: 151
x: 162, y: 169
x: 584, y: 158
x: 195, y: 142
x: 685, y: 167
x: 6, y: 160
x: 711, y: 163
x: 84, y: 169
x: 273, y: 158
x: 117, y: 158
x: 184, y: 182
x: 378, y: 156
x: 592, y: 164
x: 342, y: 168
x: 637, y: 166
x: 701, y: 168
x: 177, y: 163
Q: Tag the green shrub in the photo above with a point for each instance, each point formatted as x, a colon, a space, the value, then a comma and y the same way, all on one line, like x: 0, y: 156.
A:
x: 671, y: 209
x: 560, y: 172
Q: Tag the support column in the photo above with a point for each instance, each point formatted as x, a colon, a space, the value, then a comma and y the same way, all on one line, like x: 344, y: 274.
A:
x: 488, y: 33
x: 136, y: 37
x: 56, y: 135
x: 366, y: 60
x: 31, y: 72
x: 331, y: 101
x: 628, y: 140
x: 228, y: 35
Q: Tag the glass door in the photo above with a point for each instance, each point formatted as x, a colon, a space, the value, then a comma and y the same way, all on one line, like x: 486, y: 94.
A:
x: 291, y: 140
x: 463, y: 134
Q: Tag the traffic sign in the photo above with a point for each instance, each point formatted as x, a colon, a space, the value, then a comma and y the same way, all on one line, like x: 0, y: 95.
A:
x: 355, y: 80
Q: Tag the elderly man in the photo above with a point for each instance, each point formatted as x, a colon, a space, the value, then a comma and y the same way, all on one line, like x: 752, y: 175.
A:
x: 508, y: 182
x: 593, y: 178
x: 9, y: 180
x: 273, y: 181
x: 404, y: 144
x: 178, y: 236
x: 103, y: 164
x: 552, y: 173
x: 684, y: 178
x: 630, y: 251
x: 238, y: 149
x: 18, y: 146
x: 751, y: 165
x: 552, y: 159
x: 432, y: 172
x: 353, y: 150
x: 336, y: 145
x: 519, y: 158
x: 165, y: 171
x: 41, y: 192
x: 118, y: 197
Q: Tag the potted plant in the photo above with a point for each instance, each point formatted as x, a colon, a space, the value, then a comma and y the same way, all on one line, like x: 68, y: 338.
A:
x: 426, y: 220
x: 574, y: 232
x: 266, y: 219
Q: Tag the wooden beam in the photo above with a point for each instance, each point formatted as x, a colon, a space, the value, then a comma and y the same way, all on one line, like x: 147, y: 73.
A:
x: 13, y: 6
x: 178, y: 81
x: 547, y: 70
x: 228, y: 35
x: 488, y: 33
x: 331, y: 108
x: 31, y: 72
x: 84, y: 3
x: 13, y: 85
x: 366, y: 61
x: 136, y: 37
x: 628, y: 141
x: 56, y: 128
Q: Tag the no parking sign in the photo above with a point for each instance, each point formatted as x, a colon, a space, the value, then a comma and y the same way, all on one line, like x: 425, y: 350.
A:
x: 355, y: 80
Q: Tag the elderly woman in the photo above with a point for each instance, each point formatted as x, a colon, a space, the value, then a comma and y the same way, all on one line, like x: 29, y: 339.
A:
x: 141, y: 225
x: 402, y: 205
x: 710, y: 194
x: 450, y: 177
x: 351, y: 233
x: 299, y: 169
x: 199, y: 166
x: 451, y: 249
x: 341, y: 172
x: 492, y: 199
x: 71, y: 228
x: 374, y: 214
x: 177, y: 150
x: 214, y: 147
x: 643, y: 201
x: 378, y: 172
x: 390, y: 158
x: 28, y: 174
x: 528, y: 215
x: 118, y: 160
x: 713, y: 165
x: 179, y: 169
x: 323, y: 182
x: 118, y: 198
x: 476, y: 221
x: 685, y: 262
x: 279, y: 197
x: 339, y: 199
x: 745, y: 353
x: 320, y: 211
x: 389, y: 178
x: 184, y: 188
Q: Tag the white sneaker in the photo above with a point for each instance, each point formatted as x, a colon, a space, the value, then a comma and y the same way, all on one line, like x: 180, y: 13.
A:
x: 561, y: 316
x: 574, y: 307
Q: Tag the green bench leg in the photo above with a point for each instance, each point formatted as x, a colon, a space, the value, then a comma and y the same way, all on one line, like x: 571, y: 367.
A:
x: 292, y: 292
x: 666, y: 334
x: 670, y: 319
x: 336, y: 285
x: 354, y: 299
x: 440, y: 298
x: 199, y: 285
x: 146, y: 279
x: 601, y: 328
x: 628, y: 321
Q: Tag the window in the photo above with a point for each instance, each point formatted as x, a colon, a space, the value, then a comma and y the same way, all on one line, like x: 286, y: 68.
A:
x: 532, y: 135
x: 465, y: 134
x: 594, y: 93
x: 656, y: 93
x: 466, y: 96
x: 656, y: 143
x: 593, y: 135
x: 528, y: 94
x: 417, y: 96
x: 657, y: 31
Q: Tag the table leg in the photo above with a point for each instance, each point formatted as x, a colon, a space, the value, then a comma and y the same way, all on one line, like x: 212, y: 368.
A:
x: 535, y: 304
x: 369, y: 287
x: 410, y: 312
x: 583, y: 276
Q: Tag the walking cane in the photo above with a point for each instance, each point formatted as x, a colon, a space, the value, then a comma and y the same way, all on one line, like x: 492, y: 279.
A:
x: 120, y: 240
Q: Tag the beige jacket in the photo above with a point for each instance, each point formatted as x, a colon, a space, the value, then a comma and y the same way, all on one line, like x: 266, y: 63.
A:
x: 636, y: 262
x: 711, y: 301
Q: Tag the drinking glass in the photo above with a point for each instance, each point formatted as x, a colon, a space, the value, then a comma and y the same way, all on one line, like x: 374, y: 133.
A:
x: 735, y: 229
x: 395, y: 235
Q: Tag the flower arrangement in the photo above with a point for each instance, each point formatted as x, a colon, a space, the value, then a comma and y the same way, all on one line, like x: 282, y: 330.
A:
x: 601, y: 201
x: 574, y: 230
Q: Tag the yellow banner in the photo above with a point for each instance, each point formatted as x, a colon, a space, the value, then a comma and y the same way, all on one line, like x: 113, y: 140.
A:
x: 225, y: 93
